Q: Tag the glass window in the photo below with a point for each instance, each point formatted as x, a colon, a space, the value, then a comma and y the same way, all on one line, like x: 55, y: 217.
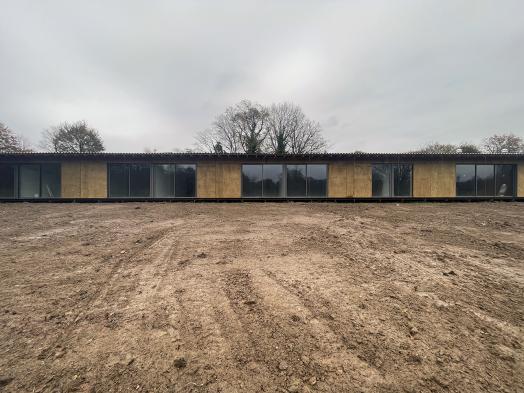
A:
x: 296, y: 181
x: 273, y: 175
x: 380, y: 180
x: 50, y: 181
x: 402, y: 180
x: 139, y: 180
x: 504, y: 180
x: 7, y: 181
x: 252, y: 180
x: 30, y: 181
x: 118, y: 180
x: 185, y: 180
x: 164, y: 181
x: 465, y: 180
x: 485, y: 180
x: 317, y: 180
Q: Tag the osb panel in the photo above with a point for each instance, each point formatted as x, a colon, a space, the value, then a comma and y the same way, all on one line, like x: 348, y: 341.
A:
x: 520, y: 180
x: 94, y: 180
x: 206, y: 180
x: 362, y: 180
x: 434, y: 179
x: 70, y: 181
x: 228, y: 180
x: 337, y: 180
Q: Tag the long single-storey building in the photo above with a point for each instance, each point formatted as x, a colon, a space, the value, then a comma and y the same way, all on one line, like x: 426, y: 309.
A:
x: 203, y: 176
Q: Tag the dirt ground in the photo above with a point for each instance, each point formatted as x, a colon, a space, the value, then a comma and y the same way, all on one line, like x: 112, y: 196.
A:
x: 261, y: 297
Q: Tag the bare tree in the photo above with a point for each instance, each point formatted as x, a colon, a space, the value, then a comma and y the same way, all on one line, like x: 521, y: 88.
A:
x: 497, y: 143
x: 250, y: 121
x: 241, y: 128
x: 72, y: 138
x: 11, y: 142
x: 251, y: 128
x: 290, y: 131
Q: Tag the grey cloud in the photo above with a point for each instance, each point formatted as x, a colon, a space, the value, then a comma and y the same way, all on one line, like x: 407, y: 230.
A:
x: 381, y: 76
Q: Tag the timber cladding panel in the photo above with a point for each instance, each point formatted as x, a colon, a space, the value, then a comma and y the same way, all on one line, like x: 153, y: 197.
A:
x: 84, y: 180
x: 349, y: 180
x: 337, y: 181
x: 71, y: 180
x: 218, y: 180
x: 94, y: 180
x: 434, y: 179
x: 520, y: 180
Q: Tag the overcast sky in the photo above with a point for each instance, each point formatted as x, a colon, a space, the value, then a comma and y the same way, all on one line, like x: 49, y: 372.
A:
x: 378, y: 75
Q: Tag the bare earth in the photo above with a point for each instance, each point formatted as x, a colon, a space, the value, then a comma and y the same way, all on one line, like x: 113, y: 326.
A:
x: 291, y: 297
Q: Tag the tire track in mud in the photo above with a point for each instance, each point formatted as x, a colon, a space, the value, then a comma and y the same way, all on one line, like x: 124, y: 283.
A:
x: 362, y: 355
x: 265, y: 345
x: 101, y: 291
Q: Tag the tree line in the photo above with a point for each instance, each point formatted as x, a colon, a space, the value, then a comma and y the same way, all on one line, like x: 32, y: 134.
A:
x: 246, y: 127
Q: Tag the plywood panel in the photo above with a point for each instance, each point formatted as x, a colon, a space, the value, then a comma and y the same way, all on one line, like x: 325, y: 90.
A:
x: 228, y: 180
x: 520, y: 180
x: 94, y: 180
x: 434, y: 179
x: 337, y: 181
x: 70, y: 181
x: 206, y: 180
x: 362, y: 180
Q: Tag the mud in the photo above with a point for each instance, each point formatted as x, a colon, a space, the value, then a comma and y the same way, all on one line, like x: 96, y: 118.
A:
x: 291, y: 297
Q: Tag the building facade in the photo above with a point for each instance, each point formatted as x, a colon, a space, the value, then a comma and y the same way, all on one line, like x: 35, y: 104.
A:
x: 202, y: 176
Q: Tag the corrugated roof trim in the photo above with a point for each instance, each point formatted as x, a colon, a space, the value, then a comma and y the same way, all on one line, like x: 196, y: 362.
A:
x: 18, y: 156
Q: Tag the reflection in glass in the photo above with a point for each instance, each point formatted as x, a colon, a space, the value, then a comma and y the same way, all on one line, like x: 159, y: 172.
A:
x: 402, y: 180
x: 465, y: 180
x: 317, y: 180
x: 504, y: 179
x: 185, y: 179
x: 273, y: 180
x: 50, y: 181
x: 118, y: 180
x: 380, y: 180
x: 296, y: 180
x: 164, y: 181
x: 485, y: 180
x: 7, y: 181
x: 139, y: 180
x: 30, y: 181
x: 252, y: 180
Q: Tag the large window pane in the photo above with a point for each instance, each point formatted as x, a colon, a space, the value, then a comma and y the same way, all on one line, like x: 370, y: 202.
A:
x: 380, y: 180
x: 252, y: 180
x: 402, y: 180
x: 504, y: 180
x: 485, y: 180
x: 465, y: 180
x: 139, y: 180
x: 118, y: 180
x: 7, y: 181
x: 317, y: 180
x: 50, y: 181
x: 296, y: 180
x: 185, y: 179
x: 164, y: 181
x: 273, y: 180
x: 30, y: 181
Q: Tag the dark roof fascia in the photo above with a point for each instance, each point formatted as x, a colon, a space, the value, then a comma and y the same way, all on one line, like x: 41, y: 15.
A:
x: 197, y: 157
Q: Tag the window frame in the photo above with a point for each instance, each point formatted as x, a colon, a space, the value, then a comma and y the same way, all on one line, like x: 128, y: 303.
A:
x: 514, y: 178
x: 151, y: 166
x: 284, y: 180
x: 39, y: 164
x: 15, y: 180
x: 391, y: 170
